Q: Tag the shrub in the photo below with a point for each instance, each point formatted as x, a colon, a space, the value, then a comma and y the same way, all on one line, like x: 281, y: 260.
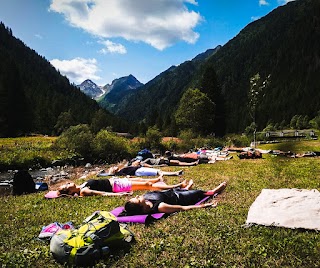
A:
x: 153, y: 138
x: 108, y: 146
x: 78, y: 139
x: 237, y: 140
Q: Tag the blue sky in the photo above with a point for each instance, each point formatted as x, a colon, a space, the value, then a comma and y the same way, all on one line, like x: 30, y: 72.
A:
x: 106, y: 39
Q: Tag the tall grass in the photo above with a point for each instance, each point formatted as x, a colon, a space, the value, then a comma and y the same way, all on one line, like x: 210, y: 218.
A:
x: 29, y: 152
x: 213, y: 237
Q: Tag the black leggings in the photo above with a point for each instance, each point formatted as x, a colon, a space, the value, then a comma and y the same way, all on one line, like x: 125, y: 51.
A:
x: 189, y: 197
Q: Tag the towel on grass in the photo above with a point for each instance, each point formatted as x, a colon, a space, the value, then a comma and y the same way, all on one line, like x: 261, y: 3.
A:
x: 290, y: 208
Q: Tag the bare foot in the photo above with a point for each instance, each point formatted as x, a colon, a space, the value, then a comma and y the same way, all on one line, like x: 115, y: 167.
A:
x: 221, y: 187
x: 184, y: 184
x: 160, y: 177
x: 189, y: 186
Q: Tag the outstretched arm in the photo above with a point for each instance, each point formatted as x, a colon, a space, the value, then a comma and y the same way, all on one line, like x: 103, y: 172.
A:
x: 166, y: 208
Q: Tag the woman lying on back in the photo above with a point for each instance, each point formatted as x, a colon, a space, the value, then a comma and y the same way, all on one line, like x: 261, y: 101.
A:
x: 135, y: 169
x: 169, y: 201
x: 115, y: 186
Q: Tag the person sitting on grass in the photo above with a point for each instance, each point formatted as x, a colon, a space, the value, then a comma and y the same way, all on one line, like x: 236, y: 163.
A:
x: 115, y: 186
x: 170, y: 201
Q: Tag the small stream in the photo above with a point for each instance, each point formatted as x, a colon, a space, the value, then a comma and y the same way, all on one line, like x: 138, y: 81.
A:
x: 48, y: 175
x: 38, y: 174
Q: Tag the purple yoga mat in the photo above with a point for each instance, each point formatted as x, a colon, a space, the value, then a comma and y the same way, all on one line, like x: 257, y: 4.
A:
x: 143, y: 218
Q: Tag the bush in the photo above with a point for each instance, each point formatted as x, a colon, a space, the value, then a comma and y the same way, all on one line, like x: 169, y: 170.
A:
x: 187, y: 140
x: 237, y: 140
x: 190, y: 141
x: 153, y: 138
x: 78, y: 139
x: 108, y: 146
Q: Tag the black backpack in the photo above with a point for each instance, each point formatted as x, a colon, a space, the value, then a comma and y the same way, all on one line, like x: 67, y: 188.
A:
x: 23, y: 183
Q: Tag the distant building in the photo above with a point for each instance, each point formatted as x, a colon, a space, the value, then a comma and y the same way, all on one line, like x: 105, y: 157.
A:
x: 124, y: 135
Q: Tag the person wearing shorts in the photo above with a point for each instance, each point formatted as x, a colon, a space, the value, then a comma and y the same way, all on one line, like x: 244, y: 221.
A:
x: 115, y: 186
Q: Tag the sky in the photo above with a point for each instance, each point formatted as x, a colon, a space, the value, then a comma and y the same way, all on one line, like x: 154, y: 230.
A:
x: 102, y: 40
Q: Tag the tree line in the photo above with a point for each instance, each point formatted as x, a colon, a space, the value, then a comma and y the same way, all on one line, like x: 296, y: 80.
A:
x: 36, y: 98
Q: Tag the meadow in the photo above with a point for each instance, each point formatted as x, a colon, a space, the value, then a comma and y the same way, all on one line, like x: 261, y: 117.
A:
x: 32, y: 152
x: 213, y: 237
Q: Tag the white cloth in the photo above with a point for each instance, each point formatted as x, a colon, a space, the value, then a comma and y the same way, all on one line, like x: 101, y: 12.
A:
x: 290, y: 208
x: 146, y: 171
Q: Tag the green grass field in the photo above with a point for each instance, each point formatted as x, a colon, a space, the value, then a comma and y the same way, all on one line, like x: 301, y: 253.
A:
x: 213, y: 237
x: 29, y: 152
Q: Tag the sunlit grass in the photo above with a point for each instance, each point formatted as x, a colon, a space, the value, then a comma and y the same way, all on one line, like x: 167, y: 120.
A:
x: 293, y: 146
x: 29, y: 152
x: 213, y: 237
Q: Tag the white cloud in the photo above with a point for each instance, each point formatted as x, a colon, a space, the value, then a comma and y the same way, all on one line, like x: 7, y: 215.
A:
x: 158, y: 23
x: 194, y: 2
x: 111, y: 47
x: 78, y: 69
x: 39, y: 36
x: 263, y: 3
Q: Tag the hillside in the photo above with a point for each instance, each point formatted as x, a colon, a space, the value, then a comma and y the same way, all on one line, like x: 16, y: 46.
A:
x: 33, y: 94
x: 156, y: 100
x: 284, y: 44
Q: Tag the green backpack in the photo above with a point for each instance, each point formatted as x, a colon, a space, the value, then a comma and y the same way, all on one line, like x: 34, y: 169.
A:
x: 91, y: 241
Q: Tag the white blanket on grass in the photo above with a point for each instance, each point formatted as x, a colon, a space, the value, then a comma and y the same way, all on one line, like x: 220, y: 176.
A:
x: 290, y: 208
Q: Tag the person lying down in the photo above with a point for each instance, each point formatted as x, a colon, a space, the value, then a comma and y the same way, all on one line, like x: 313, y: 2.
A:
x: 171, y: 200
x: 115, y: 186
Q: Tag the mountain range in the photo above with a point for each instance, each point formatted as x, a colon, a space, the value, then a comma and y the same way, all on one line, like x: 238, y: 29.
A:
x: 281, y: 48
x: 109, y: 96
x: 284, y: 45
x: 36, y: 98
x: 91, y: 89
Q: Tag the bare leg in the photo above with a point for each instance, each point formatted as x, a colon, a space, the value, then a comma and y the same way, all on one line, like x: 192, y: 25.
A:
x: 152, y: 180
x: 218, y: 189
x: 170, y: 173
x: 179, y: 163
x: 162, y: 186
x: 137, y: 185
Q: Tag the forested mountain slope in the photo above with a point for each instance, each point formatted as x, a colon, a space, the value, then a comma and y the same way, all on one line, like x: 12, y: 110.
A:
x: 284, y: 44
x: 157, y: 100
x: 33, y: 93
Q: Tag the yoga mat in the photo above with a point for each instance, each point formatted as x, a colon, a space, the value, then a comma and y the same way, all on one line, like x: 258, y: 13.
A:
x: 51, y: 194
x: 143, y: 219
x: 54, y: 194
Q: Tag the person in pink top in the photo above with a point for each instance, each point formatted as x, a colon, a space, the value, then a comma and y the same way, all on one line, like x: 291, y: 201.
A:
x: 116, y: 186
